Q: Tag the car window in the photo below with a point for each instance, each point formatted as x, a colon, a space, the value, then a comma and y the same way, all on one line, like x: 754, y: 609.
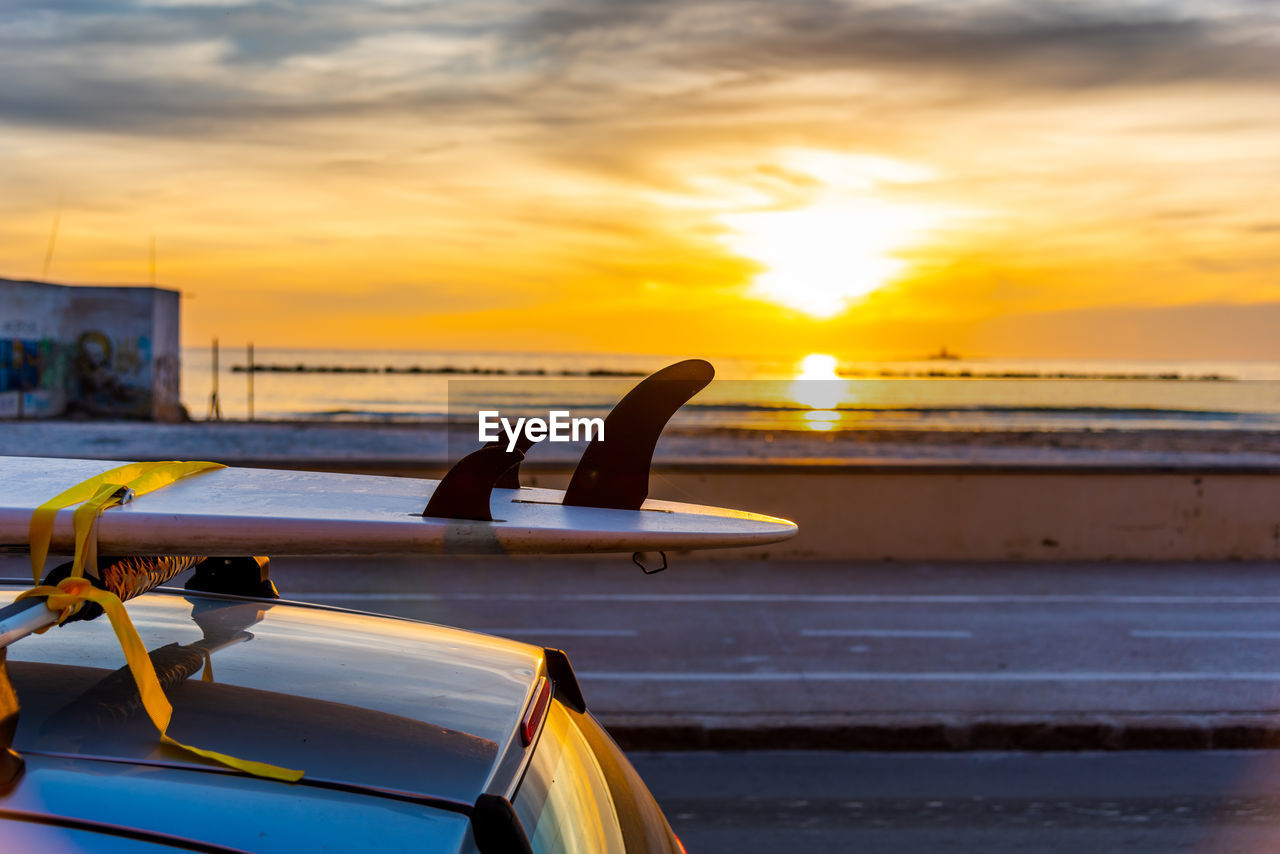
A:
x: 564, y: 802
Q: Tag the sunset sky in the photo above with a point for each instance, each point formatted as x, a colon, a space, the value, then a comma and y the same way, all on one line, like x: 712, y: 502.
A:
x: 868, y: 178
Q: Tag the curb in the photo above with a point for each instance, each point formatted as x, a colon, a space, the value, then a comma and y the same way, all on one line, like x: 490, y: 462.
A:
x: 1074, y: 733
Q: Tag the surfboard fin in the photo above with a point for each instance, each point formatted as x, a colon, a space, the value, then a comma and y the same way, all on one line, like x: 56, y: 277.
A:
x: 464, y: 491
x: 510, y: 479
x: 614, y: 472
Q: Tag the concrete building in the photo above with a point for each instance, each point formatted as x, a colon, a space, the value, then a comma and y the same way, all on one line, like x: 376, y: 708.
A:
x: 110, y: 352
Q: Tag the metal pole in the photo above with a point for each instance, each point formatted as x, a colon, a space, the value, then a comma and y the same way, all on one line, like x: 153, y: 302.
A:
x: 23, y: 618
x: 20, y: 363
x: 53, y: 239
x: 215, y: 405
x: 251, y: 380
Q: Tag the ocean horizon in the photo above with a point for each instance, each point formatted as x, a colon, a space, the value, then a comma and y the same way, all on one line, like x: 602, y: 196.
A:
x: 757, y: 394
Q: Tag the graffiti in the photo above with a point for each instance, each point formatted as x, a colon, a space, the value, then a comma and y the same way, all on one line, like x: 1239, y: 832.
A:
x: 111, y: 378
x: 54, y: 366
x: 7, y: 366
x: 87, y: 350
x: 96, y: 375
x: 21, y: 364
x: 132, y: 356
x: 32, y: 377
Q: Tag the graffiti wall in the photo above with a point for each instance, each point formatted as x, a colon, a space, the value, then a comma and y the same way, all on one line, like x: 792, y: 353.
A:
x: 32, y: 377
x: 95, y: 351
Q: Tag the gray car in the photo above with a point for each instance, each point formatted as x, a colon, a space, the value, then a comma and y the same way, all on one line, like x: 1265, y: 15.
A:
x: 413, y: 737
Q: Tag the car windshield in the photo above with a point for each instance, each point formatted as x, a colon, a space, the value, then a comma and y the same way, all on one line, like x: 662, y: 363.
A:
x: 564, y: 801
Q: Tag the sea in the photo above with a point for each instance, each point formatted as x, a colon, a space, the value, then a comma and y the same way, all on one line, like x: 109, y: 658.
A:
x: 816, y: 393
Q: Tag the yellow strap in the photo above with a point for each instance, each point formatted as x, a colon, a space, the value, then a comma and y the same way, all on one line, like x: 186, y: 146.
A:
x: 69, y: 594
x: 95, y: 495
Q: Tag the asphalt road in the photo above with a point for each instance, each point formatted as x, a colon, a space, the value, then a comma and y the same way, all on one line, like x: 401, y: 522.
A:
x: 805, y: 644
x: 1190, y: 802
x: 815, y: 643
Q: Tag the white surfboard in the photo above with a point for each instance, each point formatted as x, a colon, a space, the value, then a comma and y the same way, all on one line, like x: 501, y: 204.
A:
x: 274, y: 512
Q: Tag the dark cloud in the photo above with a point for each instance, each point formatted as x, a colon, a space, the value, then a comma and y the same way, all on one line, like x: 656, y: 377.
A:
x: 557, y: 65
x: 1048, y: 44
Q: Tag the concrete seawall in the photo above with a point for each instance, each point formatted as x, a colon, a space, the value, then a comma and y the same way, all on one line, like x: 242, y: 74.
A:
x: 918, y: 514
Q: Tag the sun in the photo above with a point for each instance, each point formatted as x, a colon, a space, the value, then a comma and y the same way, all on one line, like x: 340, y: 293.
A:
x: 818, y: 259
x: 846, y: 241
x: 818, y: 366
x: 819, y: 387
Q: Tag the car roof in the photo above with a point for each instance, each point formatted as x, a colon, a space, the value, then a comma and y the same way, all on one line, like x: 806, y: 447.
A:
x: 407, y: 710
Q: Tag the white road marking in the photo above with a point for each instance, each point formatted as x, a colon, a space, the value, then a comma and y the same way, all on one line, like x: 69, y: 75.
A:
x: 804, y: 598
x: 565, y: 632
x: 1008, y: 677
x: 1205, y: 634
x: 886, y: 633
